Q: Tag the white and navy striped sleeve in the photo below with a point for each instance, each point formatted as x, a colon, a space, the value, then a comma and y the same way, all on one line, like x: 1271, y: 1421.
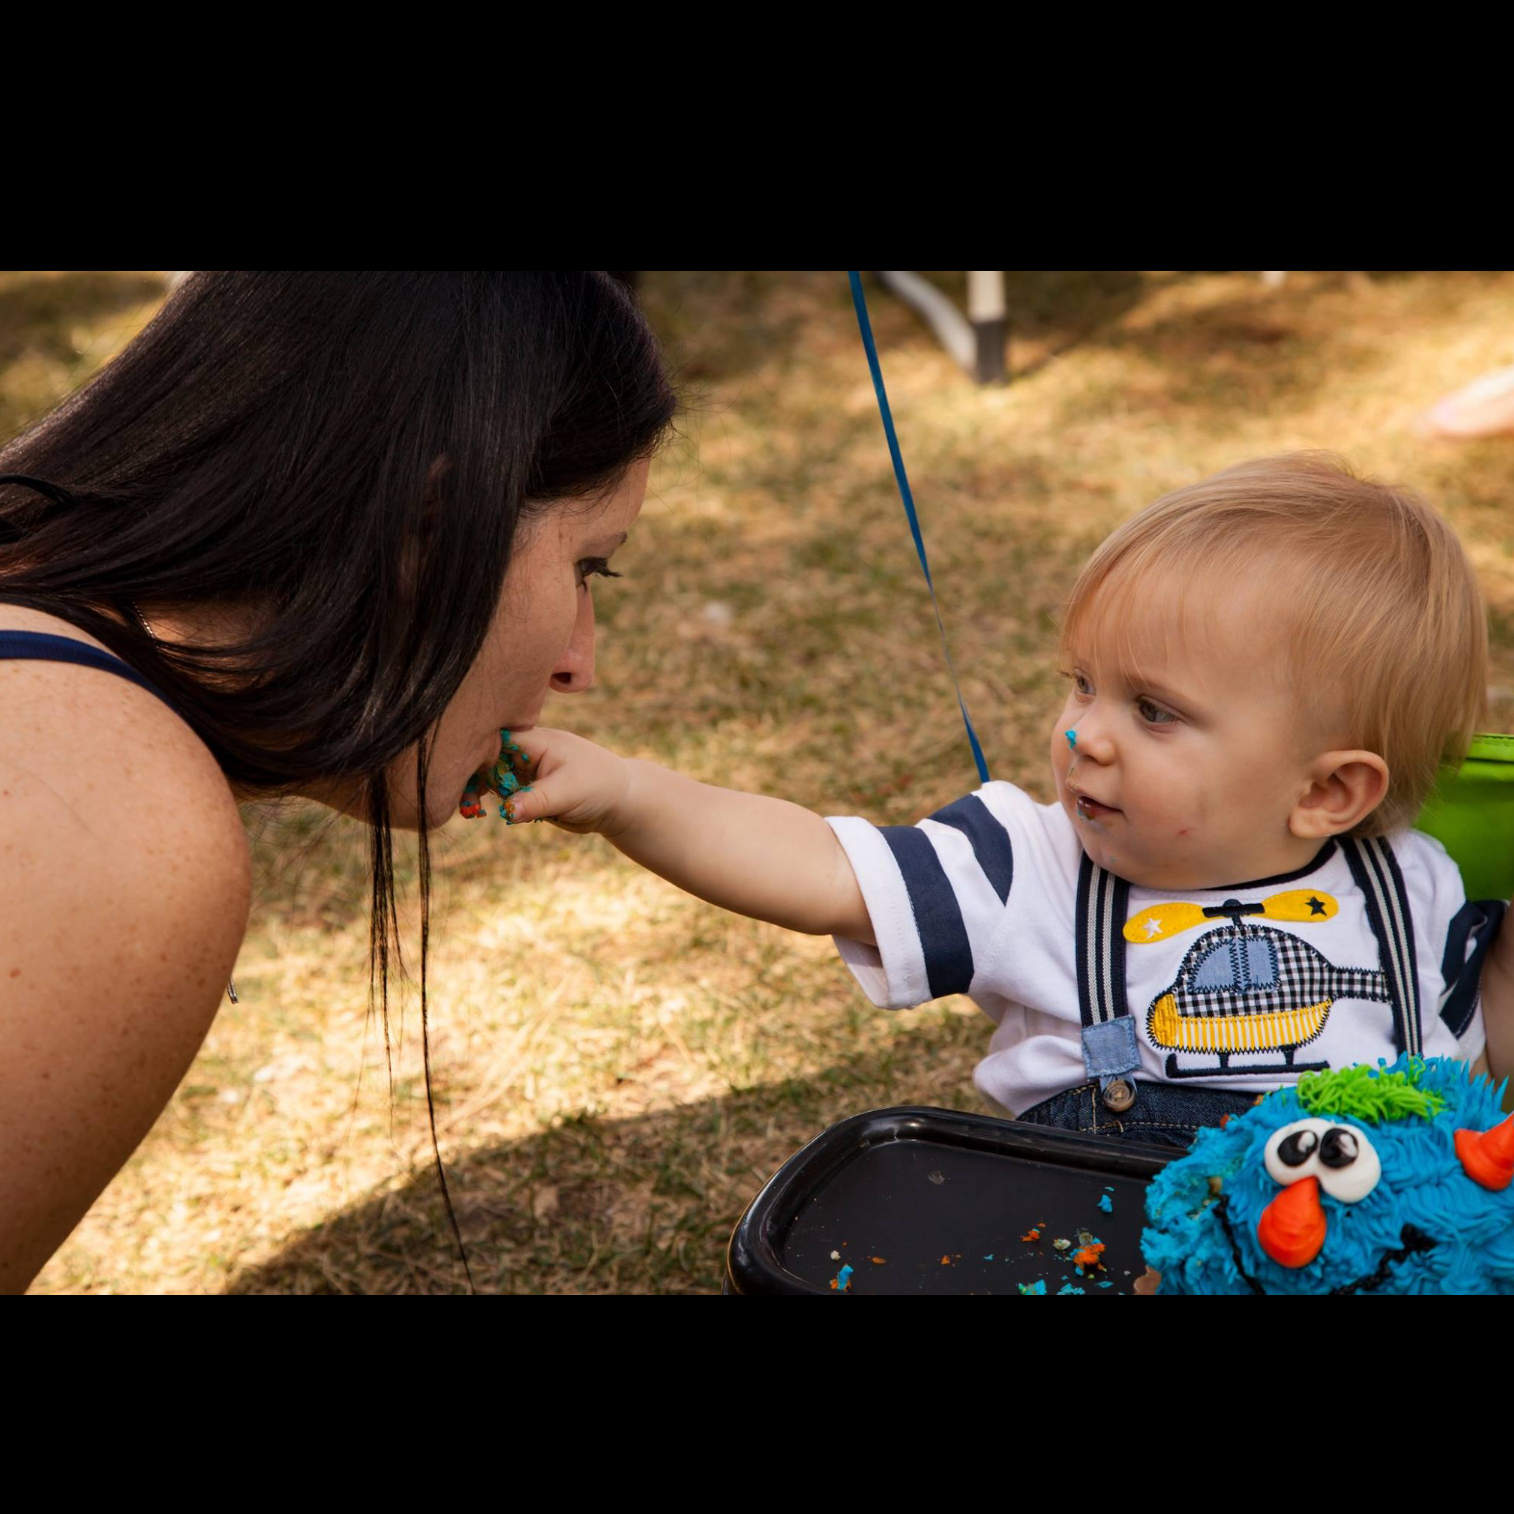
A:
x: 936, y: 894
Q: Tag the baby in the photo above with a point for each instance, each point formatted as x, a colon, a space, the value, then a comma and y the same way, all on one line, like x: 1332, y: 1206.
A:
x: 1265, y: 671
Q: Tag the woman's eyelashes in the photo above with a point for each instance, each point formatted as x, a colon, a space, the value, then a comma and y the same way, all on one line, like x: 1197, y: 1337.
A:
x: 590, y: 566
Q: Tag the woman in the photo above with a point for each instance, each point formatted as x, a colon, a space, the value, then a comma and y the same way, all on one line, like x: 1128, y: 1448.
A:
x: 339, y: 528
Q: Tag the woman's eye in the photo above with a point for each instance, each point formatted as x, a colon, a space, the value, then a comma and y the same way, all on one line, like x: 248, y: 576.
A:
x: 590, y: 566
x: 1158, y: 716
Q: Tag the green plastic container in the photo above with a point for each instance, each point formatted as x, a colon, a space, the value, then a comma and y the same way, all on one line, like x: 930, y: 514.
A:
x: 1471, y: 813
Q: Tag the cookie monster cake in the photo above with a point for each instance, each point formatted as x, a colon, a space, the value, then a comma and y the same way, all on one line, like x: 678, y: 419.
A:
x: 1365, y: 1180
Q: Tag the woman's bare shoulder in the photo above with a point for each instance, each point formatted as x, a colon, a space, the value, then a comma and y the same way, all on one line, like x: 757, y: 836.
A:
x: 88, y: 753
x: 124, y: 891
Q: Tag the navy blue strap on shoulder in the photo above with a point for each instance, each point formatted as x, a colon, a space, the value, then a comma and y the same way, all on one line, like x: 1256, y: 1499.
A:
x: 1111, y: 1051
x: 39, y: 646
x: 1378, y: 876
x: 860, y: 301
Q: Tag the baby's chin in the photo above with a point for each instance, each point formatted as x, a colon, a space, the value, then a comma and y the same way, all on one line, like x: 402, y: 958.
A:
x: 1143, y: 872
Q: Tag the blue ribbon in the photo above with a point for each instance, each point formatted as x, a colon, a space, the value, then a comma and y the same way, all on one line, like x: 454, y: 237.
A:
x: 860, y: 301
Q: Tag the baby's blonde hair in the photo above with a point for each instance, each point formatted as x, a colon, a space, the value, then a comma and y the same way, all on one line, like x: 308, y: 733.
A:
x: 1379, y: 617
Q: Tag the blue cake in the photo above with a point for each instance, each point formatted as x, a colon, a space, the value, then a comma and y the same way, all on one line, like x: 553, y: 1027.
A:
x: 1364, y: 1180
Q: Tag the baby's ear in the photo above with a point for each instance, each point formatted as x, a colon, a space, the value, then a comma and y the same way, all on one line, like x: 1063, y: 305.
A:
x: 1344, y: 788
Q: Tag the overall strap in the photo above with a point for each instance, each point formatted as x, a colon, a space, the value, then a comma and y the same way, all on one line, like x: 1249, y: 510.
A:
x: 41, y: 646
x: 1103, y: 904
x: 1377, y: 875
x: 1110, y: 1050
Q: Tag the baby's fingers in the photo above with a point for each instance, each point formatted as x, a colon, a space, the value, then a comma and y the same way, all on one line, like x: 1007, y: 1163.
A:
x: 523, y: 805
x: 533, y: 805
x: 512, y: 768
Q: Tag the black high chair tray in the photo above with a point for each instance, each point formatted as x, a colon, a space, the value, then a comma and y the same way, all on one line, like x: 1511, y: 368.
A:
x: 936, y: 1201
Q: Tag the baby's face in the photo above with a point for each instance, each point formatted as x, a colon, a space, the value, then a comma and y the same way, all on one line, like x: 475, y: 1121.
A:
x: 1186, y: 773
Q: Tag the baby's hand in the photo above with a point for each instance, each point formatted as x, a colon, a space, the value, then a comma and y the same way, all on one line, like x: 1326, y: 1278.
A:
x: 574, y: 784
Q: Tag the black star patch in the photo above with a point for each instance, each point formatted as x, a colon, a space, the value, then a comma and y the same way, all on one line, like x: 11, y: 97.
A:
x: 1316, y: 906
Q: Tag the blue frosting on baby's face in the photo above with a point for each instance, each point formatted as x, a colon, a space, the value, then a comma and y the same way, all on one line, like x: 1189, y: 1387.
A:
x: 1420, y: 1225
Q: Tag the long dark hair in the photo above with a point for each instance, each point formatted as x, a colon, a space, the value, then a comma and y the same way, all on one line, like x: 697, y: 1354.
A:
x: 329, y: 446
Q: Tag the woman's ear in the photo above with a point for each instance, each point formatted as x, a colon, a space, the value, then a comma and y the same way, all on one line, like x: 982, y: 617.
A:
x: 418, y: 541
x: 432, y: 494
x: 1344, y: 788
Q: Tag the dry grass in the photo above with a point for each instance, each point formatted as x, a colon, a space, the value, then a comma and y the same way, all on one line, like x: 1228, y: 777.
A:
x: 618, y: 1067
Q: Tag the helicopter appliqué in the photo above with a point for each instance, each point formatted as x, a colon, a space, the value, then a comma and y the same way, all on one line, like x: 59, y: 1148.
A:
x: 1248, y: 988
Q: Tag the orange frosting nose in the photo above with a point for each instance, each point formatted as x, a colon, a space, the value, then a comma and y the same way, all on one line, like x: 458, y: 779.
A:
x: 1488, y: 1156
x: 1292, y: 1227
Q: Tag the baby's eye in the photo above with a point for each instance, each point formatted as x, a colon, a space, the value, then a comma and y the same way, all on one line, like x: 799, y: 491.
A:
x: 1078, y: 681
x: 590, y: 566
x: 1158, y: 716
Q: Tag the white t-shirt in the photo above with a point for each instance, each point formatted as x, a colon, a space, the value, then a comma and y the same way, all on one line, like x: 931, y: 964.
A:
x: 982, y: 899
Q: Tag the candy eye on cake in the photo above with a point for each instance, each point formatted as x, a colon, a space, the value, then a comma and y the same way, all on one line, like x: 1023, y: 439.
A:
x: 1349, y: 1164
x: 1340, y: 1157
x: 1293, y: 1151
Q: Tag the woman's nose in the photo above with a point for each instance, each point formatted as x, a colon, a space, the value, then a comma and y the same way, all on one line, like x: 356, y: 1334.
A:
x: 575, y: 668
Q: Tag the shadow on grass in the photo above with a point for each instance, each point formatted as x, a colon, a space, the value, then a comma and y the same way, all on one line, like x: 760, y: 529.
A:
x: 644, y: 1204
x: 1251, y: 354
x: 1269, y: 349
x: 1063, y: 308
x: 720, y: 325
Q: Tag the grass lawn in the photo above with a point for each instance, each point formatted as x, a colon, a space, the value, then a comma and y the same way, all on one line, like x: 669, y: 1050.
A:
x: 618, y: 1067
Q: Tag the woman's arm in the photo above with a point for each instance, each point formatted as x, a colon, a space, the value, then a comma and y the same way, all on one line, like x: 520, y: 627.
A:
x: 749, y: 853
x: 124, y: 890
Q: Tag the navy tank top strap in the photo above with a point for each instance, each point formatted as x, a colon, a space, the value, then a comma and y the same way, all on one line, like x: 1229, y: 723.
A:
x: 41, y: 646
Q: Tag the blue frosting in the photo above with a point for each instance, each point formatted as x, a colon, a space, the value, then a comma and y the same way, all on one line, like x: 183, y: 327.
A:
x: 1423, y: 1184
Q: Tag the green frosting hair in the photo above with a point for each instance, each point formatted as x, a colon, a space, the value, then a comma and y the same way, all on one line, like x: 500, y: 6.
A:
x: 1369, y: 1094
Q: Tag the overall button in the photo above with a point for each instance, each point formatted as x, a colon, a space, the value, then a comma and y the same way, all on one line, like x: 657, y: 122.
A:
x: 1119, y: 1096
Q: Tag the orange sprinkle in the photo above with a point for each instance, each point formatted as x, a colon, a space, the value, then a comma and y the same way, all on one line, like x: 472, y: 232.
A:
x: 1224, y: 1121
x: 946, y: 1261
x: 1089, y: 1256
x: 876, y: 1260
x: 1035, y: 1235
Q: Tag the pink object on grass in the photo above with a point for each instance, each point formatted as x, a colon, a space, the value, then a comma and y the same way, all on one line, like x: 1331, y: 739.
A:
x: 1485, y: 407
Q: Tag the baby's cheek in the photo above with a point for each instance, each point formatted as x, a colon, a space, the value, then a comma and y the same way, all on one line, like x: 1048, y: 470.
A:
x: 1165, y: 805
x: 1193, y: 815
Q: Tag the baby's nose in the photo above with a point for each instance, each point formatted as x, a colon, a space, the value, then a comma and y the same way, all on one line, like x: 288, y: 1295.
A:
x: 1087, y: 740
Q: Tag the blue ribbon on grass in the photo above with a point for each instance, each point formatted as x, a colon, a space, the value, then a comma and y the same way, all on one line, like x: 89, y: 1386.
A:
x: 860, y: 301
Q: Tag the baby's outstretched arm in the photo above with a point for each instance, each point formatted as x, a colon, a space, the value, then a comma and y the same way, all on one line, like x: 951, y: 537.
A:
x: 750, y: 853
